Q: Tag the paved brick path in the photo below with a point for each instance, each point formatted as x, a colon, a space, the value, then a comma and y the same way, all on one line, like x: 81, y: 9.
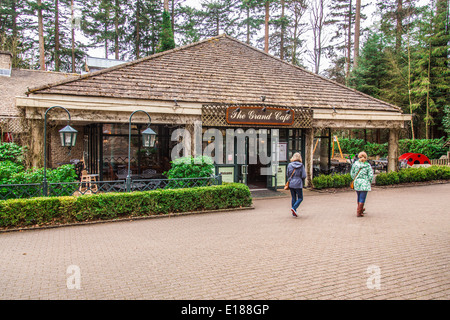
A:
x: 400, y: 250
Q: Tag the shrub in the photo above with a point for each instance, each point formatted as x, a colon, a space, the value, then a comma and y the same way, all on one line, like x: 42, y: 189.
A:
x: 8, y: 169
x: 388, y: 178
x: 190, y: 167
x: 64, y: 173
x: 332, y: 181
x: 413, y: 175
x: 432, y: 148
x: 12, y: 152
x: 25, y: 212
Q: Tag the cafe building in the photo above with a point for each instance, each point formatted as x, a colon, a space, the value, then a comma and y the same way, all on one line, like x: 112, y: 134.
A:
x: 249, y: 110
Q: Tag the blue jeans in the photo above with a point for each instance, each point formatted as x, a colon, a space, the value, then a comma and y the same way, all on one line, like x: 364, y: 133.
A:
x: 361, y: 195
x: 297, y: 197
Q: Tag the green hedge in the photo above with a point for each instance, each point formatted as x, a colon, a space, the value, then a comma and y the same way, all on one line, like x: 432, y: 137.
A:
x: 324, y: 181
x: 432, y: 148
x: 413, y: 175
x: 382, y: 179
x: 39, y: 211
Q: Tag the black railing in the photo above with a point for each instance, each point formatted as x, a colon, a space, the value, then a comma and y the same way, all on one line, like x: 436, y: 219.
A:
x: 19, y: 191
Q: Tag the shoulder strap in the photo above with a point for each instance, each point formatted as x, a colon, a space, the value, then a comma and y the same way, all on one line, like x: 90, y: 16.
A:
x: 357, y: 174
x: 292, y: 174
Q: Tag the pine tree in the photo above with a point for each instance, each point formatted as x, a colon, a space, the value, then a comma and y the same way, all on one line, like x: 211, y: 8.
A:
x: 166, y: 38
x: 372, y: 67
x: 219, y: 16
x: 14, y: 20
x: 253, y: 18
x: 187, y: 25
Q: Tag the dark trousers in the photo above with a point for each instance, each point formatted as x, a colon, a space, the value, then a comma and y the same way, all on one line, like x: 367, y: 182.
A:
x: 297, y: 197
x: 361, y: 195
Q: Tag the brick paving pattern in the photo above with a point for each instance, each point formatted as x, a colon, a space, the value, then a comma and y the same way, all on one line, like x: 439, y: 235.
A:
x: 260, y: 253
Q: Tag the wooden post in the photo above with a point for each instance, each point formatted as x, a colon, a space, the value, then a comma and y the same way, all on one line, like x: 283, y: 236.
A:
x: 393, y: 150
x: 308, y: 161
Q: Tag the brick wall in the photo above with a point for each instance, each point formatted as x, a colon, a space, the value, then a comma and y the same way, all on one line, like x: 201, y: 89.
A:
x: 58, y: 154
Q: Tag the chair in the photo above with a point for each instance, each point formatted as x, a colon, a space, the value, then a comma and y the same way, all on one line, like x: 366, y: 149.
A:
x: 148, y: 173
x: 122, y: 174
x: 87, y: 179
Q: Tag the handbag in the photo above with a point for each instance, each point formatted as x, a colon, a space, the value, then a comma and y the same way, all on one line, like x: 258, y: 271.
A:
x: 352, y: 183
x: 286, y: 186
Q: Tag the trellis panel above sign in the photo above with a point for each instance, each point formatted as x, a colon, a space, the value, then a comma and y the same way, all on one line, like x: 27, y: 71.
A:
x: 238, y: 115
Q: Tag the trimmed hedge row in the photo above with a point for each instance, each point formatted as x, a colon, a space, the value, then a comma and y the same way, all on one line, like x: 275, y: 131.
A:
x: 413, y: 175
x: 60, y: 210
x: 403, y: 176
x: 324, y: 181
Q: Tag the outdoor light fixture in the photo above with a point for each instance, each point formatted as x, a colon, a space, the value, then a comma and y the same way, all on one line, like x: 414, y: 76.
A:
x: 264, y: 109
x: 288, y: 111
x: 68, y: 138
x: 237, y: 110
x: 148, y: 138
x: 148, y: 141
x: 263, y: 98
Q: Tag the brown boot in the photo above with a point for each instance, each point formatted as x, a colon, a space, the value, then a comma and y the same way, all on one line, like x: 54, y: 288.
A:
x: 363, y: 209
x: 359, y: 211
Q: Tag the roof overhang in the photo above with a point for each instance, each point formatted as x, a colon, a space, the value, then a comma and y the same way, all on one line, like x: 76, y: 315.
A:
x: 99, y: 109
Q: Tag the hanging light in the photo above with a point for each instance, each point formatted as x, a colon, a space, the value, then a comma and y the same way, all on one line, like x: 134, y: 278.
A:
x: 68, y: 136
x: 148, y: 138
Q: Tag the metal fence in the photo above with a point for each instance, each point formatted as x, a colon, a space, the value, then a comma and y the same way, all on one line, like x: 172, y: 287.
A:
x: 20, y: 191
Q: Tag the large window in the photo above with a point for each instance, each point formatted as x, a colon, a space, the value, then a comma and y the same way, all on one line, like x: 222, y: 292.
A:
x: 106, y: 151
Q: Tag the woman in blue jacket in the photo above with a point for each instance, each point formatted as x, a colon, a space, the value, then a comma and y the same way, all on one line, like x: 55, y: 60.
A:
x: 296, y: 181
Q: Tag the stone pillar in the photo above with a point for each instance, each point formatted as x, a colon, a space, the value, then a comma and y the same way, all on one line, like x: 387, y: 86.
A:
x: 393, y: 150
x: 308, y: 161
x: 35, y: 144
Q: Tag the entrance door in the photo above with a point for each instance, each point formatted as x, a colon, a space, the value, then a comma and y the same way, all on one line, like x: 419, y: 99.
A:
x: 253, y: 158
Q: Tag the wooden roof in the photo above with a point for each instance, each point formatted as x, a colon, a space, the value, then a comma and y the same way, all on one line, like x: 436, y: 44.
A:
x: 217, y: 70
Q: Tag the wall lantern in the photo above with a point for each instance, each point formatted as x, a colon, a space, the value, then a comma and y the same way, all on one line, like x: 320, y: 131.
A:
x: 68, y: 136
x: 148, y: 138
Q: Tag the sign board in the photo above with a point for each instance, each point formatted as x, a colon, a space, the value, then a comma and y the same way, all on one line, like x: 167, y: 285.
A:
x: 282, y: 154
x: 227, y: 173
x: 281, y: 175
x: 258, y: 116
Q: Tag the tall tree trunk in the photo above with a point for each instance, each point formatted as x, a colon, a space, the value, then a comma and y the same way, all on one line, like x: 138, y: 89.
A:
x: 73, y: 36
x: 282, y: 31
x: 317, y: 23
x: 428, y: 116
x: 409, y: 88
x: 41, y: 36
x: 138, y: 40
x: 248, y: 25
x: 349, y: 41
x: 294, y: 45
x: 56, y: 54
x: 116, y: 30
x: 357, y: 33
x: 106, y: 31
x: 266, y: 23
x: 172, y: 14
x: 399, y: 27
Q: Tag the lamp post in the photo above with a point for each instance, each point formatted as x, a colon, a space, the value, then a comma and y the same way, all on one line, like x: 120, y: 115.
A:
x: 148, y: 141
x: 68, y: 137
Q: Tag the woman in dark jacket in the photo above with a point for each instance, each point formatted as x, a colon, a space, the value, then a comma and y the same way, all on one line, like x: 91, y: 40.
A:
x: 296, y: 181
